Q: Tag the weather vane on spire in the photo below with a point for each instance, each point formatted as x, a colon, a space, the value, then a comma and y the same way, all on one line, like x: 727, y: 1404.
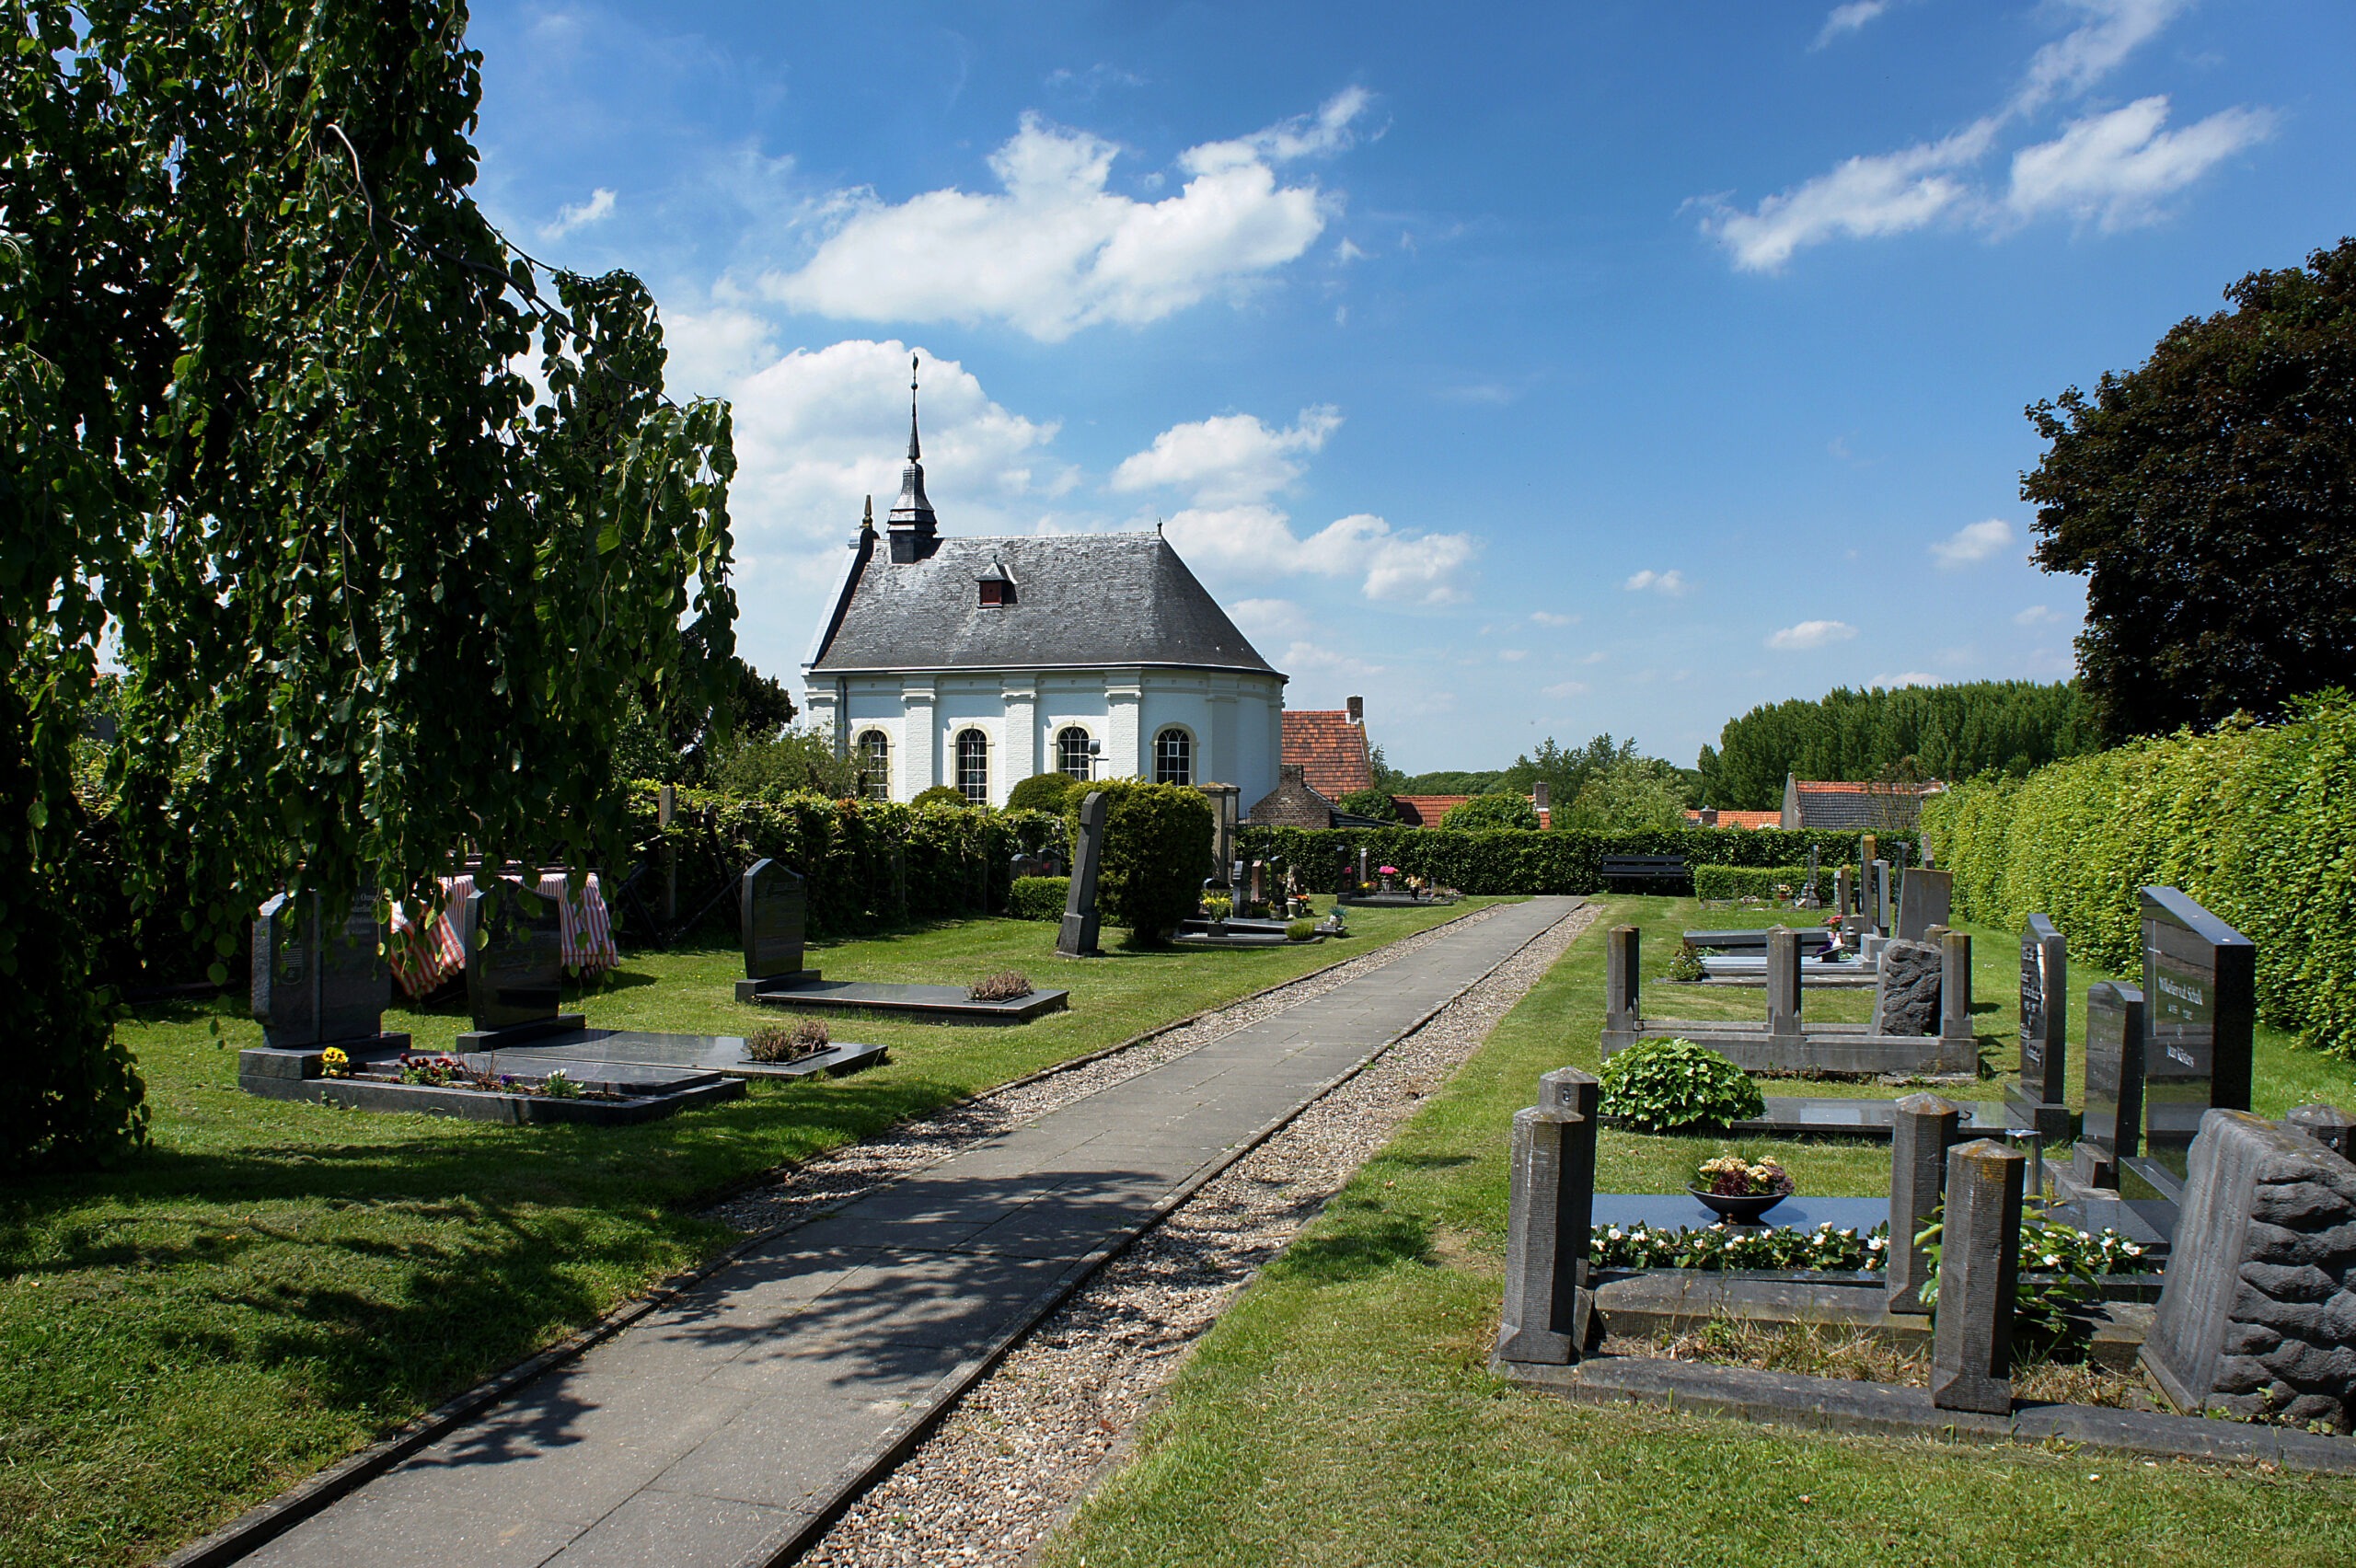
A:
x: 913, y: 453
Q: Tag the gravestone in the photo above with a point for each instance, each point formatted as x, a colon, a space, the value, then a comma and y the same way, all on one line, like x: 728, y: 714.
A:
x: 1362, y: 876
x: 1225, y: 800
x: 317, y: 985
x: 1925, y: 900
x: 1923, y: 1128
x: 2326, y: 1124
x: 1954, y: 985
x: 1550, y: 1308
x: 2258, y: 1311
x: 2038, y: 1097
x: 773, y: 913
x: 2114, y: 1119
x: 1784, y: 983
x: 1844, y: 898
x: 1259, y: 884
x: 1881, y: 911
x: 1809, y: 898
x: 1078, y: 937
x: 2199, y: 1013
x: 1906, y: 995
x: 1971, y: 1337
x: 514, y: 967
x: 1622, y: 999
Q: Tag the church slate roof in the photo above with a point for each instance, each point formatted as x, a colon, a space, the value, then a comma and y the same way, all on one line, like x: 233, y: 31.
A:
x: 1080, y: 600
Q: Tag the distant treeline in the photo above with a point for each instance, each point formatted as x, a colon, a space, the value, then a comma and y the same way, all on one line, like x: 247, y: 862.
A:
x: 1946, y: 732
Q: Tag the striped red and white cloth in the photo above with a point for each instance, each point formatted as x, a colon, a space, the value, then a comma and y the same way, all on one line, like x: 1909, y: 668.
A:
x: 424, y: 960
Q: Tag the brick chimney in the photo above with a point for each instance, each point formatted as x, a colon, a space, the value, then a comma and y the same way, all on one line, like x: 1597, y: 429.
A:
x: 1358, y: 709
x: 1538, y: 792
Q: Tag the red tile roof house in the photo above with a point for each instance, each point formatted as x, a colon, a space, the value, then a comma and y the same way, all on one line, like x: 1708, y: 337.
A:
x: 1709, y: 817
x: 1328, y: 744
x: 1425, y: 811
x: 1849, y: 807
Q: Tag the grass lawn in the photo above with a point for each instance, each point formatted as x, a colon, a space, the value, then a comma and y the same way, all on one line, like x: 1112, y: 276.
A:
x: 273, y: 1286
x: 1341, y: 1413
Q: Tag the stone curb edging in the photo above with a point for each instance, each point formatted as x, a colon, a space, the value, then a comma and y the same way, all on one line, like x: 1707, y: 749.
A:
x: 1849, y: 1407
x: 904, y: 1436
x: 267, y: 1520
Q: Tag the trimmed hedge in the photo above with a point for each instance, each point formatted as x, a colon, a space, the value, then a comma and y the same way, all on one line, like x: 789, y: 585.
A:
x: 1038, y: 898
x: 1566, y: 861
x: 2257, y: 822
x: 1157, y: 853
x: 1758, y: 882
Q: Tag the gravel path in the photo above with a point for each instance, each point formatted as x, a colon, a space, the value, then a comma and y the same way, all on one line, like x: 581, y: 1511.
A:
x: 1023, y: 1447
x: 844, y: 1173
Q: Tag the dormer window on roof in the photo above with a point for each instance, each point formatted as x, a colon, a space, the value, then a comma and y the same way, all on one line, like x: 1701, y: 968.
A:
x: 997, y: 587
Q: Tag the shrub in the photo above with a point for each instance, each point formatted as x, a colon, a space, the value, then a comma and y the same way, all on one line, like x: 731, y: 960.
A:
x: 789, y: 1042
x: 1566, y: 861
x: 1301, y: 931
x: 1373, y: 803
x: 1038, y: 898
x: 1758, y: 882
x: 1003, y: 987
x: 1043, y: 792
x: 1488, y: 813
x: 1668, y: 1086
x: 1156, y: 852
x: 942, y: 795
x: 2252, y: 821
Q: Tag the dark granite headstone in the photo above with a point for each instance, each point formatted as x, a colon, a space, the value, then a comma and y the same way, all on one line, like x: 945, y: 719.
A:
x: 1925, y: 898
x: 1549, y: 1308
x: 516, y: 960
x: 774, y: 904
x: 1882, y: 897
x: 316, y: 984
x: 2200, y: 1012
x: 1078, y: 937
x: 1971, y: 1338
x: 2113, y: 1083
x: 2039, y: 1095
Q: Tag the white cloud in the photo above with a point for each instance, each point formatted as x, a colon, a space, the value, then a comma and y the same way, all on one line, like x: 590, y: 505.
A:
x: 2039, y: 615
x: 597, y: 209
x: 1972, y: 543
x: 1323, y: 658
x: 2118, y: 167
x: 1053, y: 250
x: 1548, y: 618
x: 1911, y: 678
x: 1598, y: 657
x: 1865, y: 197
x: 1566, y: 688
x: 1258, y: 540
x: 1812, y: 634
x: 2090, y: 51
x: 1228, y: 459
x: 1669, y: 583
x: 1848, y: 18
x: 1513, y: 655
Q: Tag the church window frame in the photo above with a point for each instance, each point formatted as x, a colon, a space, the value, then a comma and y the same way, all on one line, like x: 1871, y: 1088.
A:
x: 1173, y: 756
x: 1073, y: 759
x: 973, y: 755
x: 872, y: 751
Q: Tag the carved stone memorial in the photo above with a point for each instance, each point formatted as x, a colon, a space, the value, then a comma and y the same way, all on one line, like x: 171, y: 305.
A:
x: 1971, y: 1336
x: 2036, y: 1098
x: 1078, y: 937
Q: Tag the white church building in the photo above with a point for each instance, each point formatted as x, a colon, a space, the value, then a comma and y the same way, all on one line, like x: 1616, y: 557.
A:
x: 978, y: 662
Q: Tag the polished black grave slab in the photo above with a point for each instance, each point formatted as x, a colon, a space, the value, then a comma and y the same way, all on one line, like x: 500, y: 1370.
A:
x: 919, y: 1003
x: 636, y: 1049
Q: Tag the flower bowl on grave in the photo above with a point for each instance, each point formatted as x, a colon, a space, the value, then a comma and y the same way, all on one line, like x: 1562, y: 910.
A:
x: 1737, y: 1208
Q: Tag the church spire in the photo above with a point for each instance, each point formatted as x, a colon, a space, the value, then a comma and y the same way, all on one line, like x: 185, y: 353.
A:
x: 913, y: 528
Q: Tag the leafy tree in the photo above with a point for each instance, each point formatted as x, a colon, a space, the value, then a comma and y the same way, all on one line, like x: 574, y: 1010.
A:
x: 1446, y: 781
x: 1564, y: 770
x: 1386, y: 776
x: 374, y: 597
x: 1946, y: 732
x: 1484, y: 813
x: 2207, y: 497
x: 799, y: 762
x: 1630, y: 796
x: 1375, y: 803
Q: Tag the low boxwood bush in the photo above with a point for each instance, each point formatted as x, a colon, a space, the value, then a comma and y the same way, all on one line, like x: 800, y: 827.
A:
x: 1038, y: 898
x: 1673, y: 1085
x: 1758, y: 882
x: 1041, y: 793
x: 942, y: 795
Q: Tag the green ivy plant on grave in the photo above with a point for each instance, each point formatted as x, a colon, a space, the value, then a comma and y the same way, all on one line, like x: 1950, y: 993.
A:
x: 1671, y: 1086
x: 378, y: 597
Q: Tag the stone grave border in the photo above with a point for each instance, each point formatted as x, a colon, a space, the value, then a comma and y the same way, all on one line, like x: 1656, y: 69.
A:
x: 275, y: 1516
x: 1015, y: 1010
x: 487, y: 1105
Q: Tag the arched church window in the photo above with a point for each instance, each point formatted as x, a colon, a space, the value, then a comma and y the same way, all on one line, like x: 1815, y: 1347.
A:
x: 875, y: 764
x: 974, y: 766
x: 1072, y: 753
x: 1173, y: 757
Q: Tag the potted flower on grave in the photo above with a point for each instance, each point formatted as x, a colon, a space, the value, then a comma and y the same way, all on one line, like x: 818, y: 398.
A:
x: 1740, y: 1191
x: 1386, y: 873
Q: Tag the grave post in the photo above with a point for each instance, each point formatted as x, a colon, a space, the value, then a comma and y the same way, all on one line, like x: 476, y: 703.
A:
x: 2326, y: 1124
x: 1549, y: 1308
x: 666, y: 802
x: 1881, y: 897
x: 2038, y: 1097
x: 1623, y: 1004
x: 1784, y: 983
x: 1955, y: 988
x: 1971, y: 1340
x: 2114, y: 1084
x: 1923, y: 1128
x: 1078, y: 937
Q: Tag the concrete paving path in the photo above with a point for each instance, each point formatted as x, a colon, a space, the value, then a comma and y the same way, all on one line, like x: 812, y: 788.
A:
x: 719, y: 1429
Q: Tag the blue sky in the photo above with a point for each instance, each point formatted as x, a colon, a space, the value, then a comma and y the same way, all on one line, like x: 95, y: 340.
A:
x: 1528, y: 370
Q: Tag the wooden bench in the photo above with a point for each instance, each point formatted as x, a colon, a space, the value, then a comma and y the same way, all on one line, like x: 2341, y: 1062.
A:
x: 1645, y: 868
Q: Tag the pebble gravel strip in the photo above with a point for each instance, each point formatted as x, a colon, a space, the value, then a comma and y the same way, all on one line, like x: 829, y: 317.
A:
x: 844, y: 1173
x: 1024, y: 1446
